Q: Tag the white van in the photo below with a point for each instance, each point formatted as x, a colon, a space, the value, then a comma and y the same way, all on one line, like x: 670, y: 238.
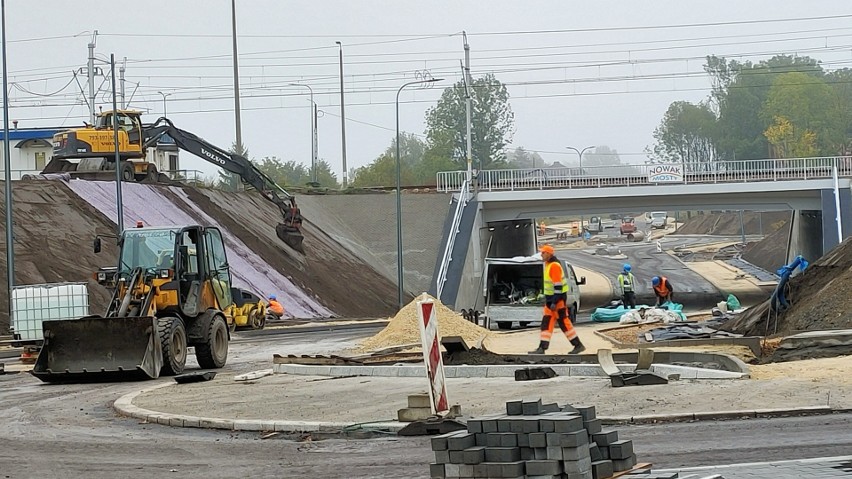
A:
x: 659, y: 219
x: 513, y: 286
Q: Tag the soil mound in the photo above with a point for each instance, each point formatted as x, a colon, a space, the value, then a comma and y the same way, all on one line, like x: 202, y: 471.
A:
x: 728, y: 224
x: 821, y: 298
x: 770, y: 253
x: 404, y: 328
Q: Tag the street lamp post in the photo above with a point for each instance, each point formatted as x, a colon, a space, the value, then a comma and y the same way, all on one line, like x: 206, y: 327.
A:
x: 7, y: 187
x: 164, y: 101
x: 580, y: 154
x: 399, y: 193
x: 343, y: 119
x: 313, y: 132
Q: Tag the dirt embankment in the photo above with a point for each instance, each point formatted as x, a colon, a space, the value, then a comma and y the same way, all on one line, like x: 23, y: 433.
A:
x: 821, y: 299
x: 328, y: 270
x: 728, y: 224
x: 54, y: 230
x: 770, y: 253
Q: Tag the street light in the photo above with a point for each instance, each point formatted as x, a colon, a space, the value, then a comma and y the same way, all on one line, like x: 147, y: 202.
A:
x: 164, y: 101
x: 313, y: 132
x: 10, y: 239
x: 342, y: 119
x: 398, y: 191
x: 580, y: 154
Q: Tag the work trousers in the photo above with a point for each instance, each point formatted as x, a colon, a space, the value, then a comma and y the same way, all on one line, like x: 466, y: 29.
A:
x: 629, y: 299
x: 553, y: 316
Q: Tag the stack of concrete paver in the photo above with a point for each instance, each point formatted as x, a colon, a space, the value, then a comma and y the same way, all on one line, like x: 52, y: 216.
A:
x: 533, y: 440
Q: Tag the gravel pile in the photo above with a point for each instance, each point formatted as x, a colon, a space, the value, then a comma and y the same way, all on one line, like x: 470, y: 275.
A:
x: 404, y: 328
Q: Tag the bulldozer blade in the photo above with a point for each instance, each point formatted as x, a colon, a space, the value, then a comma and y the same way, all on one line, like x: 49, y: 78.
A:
x: 96, y: 349
x: 292, y: 236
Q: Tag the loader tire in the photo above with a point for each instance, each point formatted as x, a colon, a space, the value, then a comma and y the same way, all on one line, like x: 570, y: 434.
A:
x: 173, y: 342
x: 213, y: 353
x: 127, y: 172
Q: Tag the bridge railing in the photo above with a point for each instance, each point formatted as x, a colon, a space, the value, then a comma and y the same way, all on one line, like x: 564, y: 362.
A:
x: 447, y: 258
x: 737, y: 171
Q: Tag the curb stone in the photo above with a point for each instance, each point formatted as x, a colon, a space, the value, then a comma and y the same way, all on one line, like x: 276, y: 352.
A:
x: 125, y: 407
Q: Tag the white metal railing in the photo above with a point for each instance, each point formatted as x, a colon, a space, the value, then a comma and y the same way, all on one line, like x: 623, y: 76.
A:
x: 739, y: 171
x: 464, y: 197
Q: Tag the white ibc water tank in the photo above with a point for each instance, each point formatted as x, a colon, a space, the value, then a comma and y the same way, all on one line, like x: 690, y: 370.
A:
x: 32, y: 304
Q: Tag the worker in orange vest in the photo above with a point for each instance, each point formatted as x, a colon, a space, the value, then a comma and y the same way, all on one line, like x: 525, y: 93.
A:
x: 275, y: 307
x: 555, y: 307
x: 662, y: 289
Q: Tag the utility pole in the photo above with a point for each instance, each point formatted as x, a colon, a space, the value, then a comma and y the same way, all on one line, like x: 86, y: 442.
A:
x: 91, y: 75
x: 118, y: 165
x: 343, y: 119
x: 467, y: 86
x: 10, y: 239
x: 121, y: 78
x: 315, y: 146
x: 236, y: 75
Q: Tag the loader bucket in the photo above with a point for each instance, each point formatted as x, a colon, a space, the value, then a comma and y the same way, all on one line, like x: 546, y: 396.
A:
x: 292, y: 236
x: 96, y: 349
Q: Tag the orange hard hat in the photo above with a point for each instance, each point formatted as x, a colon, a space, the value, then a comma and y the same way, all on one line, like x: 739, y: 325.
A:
x: 546, y: 249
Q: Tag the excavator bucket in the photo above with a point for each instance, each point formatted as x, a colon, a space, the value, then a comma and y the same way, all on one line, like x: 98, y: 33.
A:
x: 292, y: 236
x: 97, y: 349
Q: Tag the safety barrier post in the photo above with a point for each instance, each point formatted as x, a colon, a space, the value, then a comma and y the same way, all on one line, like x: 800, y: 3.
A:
x: 431, y: 341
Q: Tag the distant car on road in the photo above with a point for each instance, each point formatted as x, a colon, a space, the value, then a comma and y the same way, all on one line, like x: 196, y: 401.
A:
x: 628, y: 225
x: 659, y: 219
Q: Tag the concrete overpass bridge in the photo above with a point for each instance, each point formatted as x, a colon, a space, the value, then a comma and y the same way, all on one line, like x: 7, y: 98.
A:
x: 494, y: 212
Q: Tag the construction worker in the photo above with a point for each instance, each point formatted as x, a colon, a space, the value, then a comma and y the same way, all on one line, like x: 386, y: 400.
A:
x: 626, y: 284
x: 662, y: 289
x: 542, y: 228
x: 275, y: 307
x: 555, y: 307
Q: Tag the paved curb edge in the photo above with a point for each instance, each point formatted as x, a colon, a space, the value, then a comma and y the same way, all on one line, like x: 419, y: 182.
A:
x: 125, y: 407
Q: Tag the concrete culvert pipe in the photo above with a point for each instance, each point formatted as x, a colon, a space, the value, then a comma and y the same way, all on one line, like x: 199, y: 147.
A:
x: 636, y: 236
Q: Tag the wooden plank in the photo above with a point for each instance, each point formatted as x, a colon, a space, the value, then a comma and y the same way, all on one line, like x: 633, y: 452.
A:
x: 638, y: 467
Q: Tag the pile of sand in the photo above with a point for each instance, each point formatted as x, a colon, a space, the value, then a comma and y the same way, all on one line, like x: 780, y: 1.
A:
x: 404, y: 328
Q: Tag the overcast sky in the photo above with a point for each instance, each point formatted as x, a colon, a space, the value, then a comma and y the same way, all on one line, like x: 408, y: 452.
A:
x: 579, y: 73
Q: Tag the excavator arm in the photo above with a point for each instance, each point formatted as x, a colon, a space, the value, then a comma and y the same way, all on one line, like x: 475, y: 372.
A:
x: 290, y: 230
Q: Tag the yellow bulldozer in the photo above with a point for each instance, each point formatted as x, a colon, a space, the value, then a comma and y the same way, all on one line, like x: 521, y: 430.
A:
x: 172, y: 289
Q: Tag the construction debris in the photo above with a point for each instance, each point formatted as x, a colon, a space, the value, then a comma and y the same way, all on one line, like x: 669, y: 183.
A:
x: 534, y: 439
x: 404, y: 328
x: 253, y: 375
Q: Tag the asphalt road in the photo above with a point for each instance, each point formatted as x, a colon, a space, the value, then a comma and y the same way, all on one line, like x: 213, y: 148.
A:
x: 71, y: 431
x: 691, y: 289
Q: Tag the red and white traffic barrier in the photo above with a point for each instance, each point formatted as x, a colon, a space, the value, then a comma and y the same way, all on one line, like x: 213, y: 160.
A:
x: 431, y: 341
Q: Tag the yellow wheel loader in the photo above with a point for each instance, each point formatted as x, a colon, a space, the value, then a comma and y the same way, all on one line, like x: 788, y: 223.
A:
x: 172, y: 290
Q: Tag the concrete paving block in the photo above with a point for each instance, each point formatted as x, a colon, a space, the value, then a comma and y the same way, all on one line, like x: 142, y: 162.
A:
x: 452, y: 470
x: 576, y: 453
x: 624, y: 464
x: 568, y: 439
x: 543, y: 467
x: 471, y: 371
x: 580, y: 475
x: 410, y: 371
x: 550, y: 408
x: 504, y: 425
x: 480, y: 470
x: 481, y: 438
x: 461, y: 442
x: 442, y: 457
x: 586, y: 412
x: 553, y: 453
x: 531, y: 407
x: 502, y: 454
x: 494, y: 439
x: 466, y: 470
x: 568, y: 424
x: 523, y: 440
x: 570, y: 409
x: 602, y: 469
x: 527, y: 453
x: 545, y: 425
x: 437, y: 471
x: 514, y: 408
x: 540, y: 453
x: 419, y: 400
x: 513, y: 469
x: 456, y: 457
x: 605, y: 438
x: 621, y: 449
x: 439, y: 443
x: 595, y: 452
x: 509, y: 440
x: 451, y: 371
x: 176, y: 421
x: 474, y: 426
x: 605, y: 453
x: 196, y: 422
x: 538, y: 439
x: 489, y: 425
x: 500, y: 371
x: 592, y: 427
x: 493, y: 469
x: 583, y: 465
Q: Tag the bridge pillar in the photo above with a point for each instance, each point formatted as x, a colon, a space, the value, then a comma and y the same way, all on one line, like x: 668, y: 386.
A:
x: 829, y: 217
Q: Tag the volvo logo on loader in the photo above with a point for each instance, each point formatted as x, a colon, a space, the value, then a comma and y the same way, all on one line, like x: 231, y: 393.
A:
x: 213, y: 156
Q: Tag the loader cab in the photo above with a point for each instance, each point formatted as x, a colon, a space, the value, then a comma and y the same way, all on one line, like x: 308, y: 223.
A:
x: 129, y: 122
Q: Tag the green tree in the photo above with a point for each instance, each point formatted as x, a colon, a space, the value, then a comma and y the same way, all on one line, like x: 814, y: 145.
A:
x: 841, y: 82
x: 326, y: 177
x: 382, y: 171
x: 686, y: 136
x: 284, y: 173
x: 492, y: 123
x: 521, y: 158
x: 810, y: 105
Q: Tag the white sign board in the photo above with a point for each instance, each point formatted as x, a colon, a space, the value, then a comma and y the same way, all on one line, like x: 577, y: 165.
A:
x: 668, y: 173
